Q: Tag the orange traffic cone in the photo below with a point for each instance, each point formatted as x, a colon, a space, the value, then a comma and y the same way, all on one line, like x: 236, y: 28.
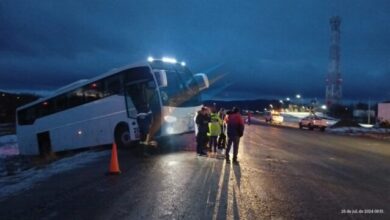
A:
x: 114, y: 164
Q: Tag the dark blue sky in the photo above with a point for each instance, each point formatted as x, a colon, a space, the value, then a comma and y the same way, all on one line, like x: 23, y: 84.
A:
x: 262, y: 48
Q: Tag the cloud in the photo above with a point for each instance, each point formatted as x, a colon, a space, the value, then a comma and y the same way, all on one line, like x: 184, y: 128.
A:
x: 273, y: 48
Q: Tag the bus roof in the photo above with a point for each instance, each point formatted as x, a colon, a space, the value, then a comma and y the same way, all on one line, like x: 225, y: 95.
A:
x: 82, y: 82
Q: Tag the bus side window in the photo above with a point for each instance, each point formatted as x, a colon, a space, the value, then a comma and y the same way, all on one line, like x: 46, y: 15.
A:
x: 112, y: 86
x: 27, y: 116
x: 61, y: 103
x: 133, y: 99
x: 46, y: 108
x: 76, y: 98
x: 93, y: 91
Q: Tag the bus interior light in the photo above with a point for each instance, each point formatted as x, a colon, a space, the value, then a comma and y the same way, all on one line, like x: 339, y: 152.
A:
x: 183, y: 63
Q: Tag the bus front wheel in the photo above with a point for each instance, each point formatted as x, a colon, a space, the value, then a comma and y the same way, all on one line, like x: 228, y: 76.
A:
x: 122, y: 136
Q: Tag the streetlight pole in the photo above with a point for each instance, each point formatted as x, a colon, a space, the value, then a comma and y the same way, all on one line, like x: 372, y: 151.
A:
x: 298, y: 96
x: 368, y: 112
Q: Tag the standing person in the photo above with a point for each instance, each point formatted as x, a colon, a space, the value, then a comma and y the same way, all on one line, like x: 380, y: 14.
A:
x: 202, y: 122
x: 222, y: 135
x: 155, y: 113
x: 214, y: 129
x: 235, y: 130
x: 144, y: 115
x: 144, y: 119
x: 249, y: 117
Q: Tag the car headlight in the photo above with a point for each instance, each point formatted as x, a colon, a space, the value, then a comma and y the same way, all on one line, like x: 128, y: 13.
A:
x: 170, y: 130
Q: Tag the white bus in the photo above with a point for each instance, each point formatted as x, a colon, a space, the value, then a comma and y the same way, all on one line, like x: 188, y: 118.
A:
x: 104, y: 109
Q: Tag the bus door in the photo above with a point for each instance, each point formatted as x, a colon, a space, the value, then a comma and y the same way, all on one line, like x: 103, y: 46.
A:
x: 143, y: 104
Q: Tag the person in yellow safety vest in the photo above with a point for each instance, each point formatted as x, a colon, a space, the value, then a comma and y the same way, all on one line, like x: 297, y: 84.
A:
x: 214, y: 129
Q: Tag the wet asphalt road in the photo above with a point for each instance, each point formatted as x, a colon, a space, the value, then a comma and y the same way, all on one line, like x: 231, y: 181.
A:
x: 284, y: 173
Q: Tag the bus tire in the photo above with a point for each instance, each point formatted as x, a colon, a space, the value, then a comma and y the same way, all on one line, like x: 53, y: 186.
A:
x: 122, y: 135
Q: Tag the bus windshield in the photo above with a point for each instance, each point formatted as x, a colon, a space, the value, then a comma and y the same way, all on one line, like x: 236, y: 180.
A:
x: 182, y: 89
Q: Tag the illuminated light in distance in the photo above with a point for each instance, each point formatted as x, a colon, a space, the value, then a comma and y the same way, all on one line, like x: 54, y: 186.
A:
x: 169, y: 60
x: 183, y: 63
x: 150, y: 59
x: 288, y: 99
x: 79, y: 132
x: 323, y: 107
x: 298, y: 96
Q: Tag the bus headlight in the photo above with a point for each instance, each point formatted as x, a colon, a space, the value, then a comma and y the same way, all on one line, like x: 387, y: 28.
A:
x: 170, y: 119
x: 170, y: 130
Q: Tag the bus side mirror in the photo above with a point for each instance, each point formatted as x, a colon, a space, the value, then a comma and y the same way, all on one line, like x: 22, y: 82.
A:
x: 161, y: 77
x: 202, y: 80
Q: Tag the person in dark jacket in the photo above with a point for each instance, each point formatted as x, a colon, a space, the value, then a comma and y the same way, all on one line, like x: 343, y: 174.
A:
x: 249, y: 118
x: 202, y: 122
x: 235, y: 130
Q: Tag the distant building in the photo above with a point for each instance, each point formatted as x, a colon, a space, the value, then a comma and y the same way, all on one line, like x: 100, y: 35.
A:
x: 384, y: 112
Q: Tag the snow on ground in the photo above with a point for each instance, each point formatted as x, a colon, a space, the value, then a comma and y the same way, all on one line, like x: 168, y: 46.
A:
x: 11, y: 185
x: 359, y: 130
x: 377, y: 133
x: 8, y: 139
x: 24, y: 176
x: 366, y: 125
x: 295, y: 117
x: 8, y: 149
x: 291, y: 119
x: 8, y: 146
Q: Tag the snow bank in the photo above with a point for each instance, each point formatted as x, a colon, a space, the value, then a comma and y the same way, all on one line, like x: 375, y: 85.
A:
x: 377, y: 133
x: 8, y: 146
x: 11, y: 185
x: 8, y: 139
x: 361, y: 130
x: 366, y: 125
x: 298, y: 115
x: 8, y: 149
